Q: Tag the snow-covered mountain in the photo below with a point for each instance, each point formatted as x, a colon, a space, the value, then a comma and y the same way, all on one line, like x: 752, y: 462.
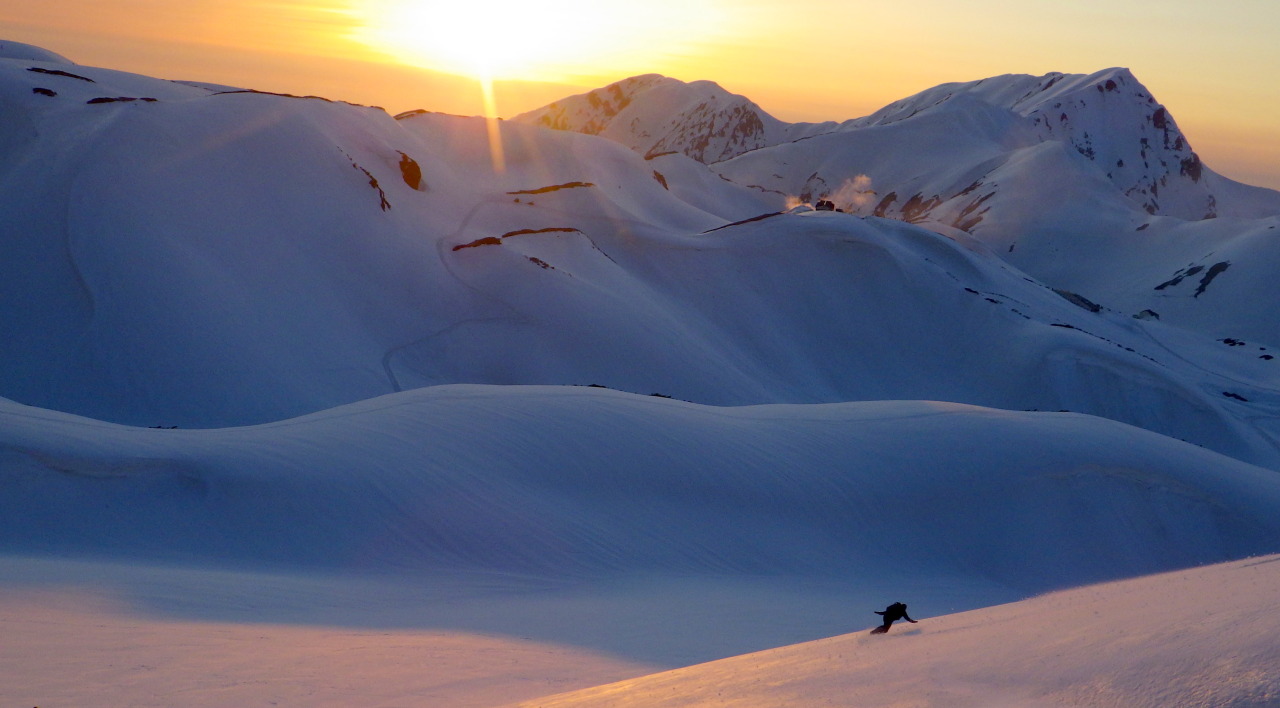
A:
x: 221, y: 258
x: 656, y: 115
x: 1110, y: 119
x: 402, y: 345
x: 1083, y: 181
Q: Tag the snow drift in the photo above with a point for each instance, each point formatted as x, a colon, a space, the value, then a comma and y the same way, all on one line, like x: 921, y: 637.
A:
x: 566, y: 482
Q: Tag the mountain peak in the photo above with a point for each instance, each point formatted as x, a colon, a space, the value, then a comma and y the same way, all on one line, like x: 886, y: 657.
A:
x: 654, y: 114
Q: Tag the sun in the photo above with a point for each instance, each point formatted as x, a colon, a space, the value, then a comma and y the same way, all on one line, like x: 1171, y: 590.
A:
x: 495, y: 39
x: 534, y: 40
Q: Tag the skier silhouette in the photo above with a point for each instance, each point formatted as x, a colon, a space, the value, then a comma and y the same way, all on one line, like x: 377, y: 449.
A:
x: 892, y: 614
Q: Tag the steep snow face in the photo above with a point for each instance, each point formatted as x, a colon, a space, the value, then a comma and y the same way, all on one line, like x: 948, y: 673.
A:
x: 655, y: 115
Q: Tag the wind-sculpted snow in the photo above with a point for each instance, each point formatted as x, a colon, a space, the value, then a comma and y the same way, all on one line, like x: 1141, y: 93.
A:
x: 579, y: 482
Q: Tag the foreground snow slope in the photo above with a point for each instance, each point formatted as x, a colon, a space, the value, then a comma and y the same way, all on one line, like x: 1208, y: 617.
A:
x: 163, y: 636
x: 1202, y: 637
x: 580, y: 482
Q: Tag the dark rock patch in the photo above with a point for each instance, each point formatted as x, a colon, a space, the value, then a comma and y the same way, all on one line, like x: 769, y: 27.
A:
x: 60, y: 72
x: 882, y: 209
x: 549, y: 230
x: 373, y: 182
x: 486, y: 241
x: 118, y: 99
x: 44, y: 92
x: 918, y: 208
x: 1079, y: 300
x: 1214, y: 271
x: 1178, y: 277
x: 411, y: 172
x: 1192, y: 167
x: 761, y: 217
x: 553, y: 188
x: 970, y: 216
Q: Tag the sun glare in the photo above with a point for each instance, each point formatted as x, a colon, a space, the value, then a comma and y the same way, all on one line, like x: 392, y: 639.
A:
x: 532, y: 40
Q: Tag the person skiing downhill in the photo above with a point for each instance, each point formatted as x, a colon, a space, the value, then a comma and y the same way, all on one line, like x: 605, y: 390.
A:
x: 892, y: 614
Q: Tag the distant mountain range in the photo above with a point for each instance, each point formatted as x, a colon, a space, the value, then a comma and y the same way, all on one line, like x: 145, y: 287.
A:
x: 198, y: 255
x: 1083, y: 181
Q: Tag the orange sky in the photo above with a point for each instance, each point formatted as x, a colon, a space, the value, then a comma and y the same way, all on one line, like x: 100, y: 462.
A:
x: 1212, y: 64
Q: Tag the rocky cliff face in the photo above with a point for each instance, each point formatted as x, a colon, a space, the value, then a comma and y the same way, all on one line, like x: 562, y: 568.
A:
x: 1113, y: 120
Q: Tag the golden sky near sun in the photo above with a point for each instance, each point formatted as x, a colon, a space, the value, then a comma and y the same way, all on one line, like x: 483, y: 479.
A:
x: 1212, y: 64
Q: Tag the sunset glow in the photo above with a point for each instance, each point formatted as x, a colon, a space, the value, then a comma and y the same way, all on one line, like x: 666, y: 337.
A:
x: 826, y: 60
x: 550, y: 40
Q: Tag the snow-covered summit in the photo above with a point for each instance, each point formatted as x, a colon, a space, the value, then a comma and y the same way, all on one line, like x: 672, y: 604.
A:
x: 654, y: 115
x: 1108, y: 117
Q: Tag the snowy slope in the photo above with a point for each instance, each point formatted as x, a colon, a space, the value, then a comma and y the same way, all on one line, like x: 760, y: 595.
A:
x: 221, y: 257
x: 230, y: 258
x: 1084, y: 182
x: 500, y: 523
x: 1203, y: 637
x: 162, y: 636
x: 398, y: 341
x: 1051, y: 171
x: 578, y: 482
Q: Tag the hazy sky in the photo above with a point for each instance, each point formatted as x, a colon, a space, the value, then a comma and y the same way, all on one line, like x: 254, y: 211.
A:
x: 1214, y: 65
